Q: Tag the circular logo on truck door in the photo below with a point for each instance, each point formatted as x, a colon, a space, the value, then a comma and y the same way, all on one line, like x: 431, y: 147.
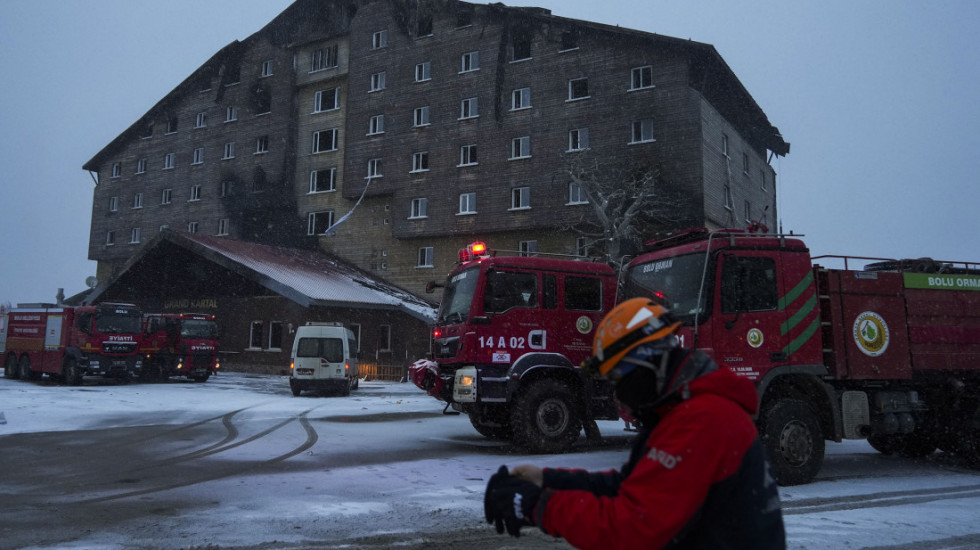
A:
x: 755, y: 337
x: 871, y: 333
x: 584, y: 325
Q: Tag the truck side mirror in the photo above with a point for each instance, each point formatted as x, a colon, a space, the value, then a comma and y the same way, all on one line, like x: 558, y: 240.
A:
x: 431, y: 286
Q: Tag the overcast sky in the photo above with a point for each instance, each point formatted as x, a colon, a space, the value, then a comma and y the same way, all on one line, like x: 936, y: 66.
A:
x: 880, y: 101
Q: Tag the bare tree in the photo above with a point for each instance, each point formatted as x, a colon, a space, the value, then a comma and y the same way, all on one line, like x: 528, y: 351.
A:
x: 629, y: 202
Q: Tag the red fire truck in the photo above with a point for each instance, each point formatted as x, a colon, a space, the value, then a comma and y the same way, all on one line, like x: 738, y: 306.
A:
x: 889, y: 352
x: 508, y: 341
x: 69, y: 343
x: 184, y: 344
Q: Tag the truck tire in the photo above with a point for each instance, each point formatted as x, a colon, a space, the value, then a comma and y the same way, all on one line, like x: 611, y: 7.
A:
x: 10, y: 368
x: 24, y: 366
x: 72, y: 373
x: 791, y: 432
x: 545, y: 417
x: 499, y: 431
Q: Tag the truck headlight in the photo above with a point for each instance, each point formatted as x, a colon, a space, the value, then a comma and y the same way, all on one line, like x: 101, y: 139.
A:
x: 464, y: 385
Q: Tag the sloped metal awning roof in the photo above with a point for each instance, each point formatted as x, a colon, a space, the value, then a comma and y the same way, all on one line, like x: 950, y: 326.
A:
x: 307, y: 277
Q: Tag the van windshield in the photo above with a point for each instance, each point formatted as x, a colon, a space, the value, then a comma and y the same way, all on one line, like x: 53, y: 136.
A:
x: 331, y: 349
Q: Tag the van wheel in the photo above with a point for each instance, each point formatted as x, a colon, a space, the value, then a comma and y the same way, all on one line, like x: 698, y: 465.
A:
x: 295, y: 389
x: 545, y: 417
x: 72, y: 374
x: 10, y: 368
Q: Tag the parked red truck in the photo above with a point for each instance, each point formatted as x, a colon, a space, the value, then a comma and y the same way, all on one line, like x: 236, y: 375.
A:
x: 890, y: 352
x: 508, y: 341
x: 184, y: 344
x: 69, y: 343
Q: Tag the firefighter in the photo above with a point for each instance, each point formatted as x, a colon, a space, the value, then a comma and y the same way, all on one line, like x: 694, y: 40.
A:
x: 697, y: 476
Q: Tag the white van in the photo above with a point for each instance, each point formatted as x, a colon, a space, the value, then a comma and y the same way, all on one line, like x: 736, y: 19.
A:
x: 324, y: 358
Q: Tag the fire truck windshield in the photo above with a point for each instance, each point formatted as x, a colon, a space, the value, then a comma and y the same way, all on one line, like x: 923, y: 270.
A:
x: 198, y: 328
x: 118, y: 323
x: 458, y: 296
x: 671, y: 281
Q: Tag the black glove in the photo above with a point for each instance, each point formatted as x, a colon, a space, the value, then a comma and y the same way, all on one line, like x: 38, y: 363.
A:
x: 509, y: 502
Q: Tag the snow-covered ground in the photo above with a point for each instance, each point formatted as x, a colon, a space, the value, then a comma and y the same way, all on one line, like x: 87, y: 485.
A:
x: 385, y: 461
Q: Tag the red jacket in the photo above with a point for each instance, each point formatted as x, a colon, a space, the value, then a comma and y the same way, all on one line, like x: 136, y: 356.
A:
x: 698, y: 479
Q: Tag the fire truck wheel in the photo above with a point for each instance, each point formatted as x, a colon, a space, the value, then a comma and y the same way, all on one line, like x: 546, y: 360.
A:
x: 25, y: 369
x: 545, y: 417
x: 73, y: 374
x: 10, y: 368
x: 499, y: 431
x: 791, y: 433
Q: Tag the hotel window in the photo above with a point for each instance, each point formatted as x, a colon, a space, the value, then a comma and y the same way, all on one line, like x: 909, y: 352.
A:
x: 642, y: 131
x: 520, y: 148
x: 569, y: 41
x: 578, y: 139
x: 325, y: 100
x: 377, y: 82
x: 229, y: 152
x: 222, y: 227
x: 322, y: 181
x: 172, y: 125
x: 141, y: 166
x: 134, y: 236
x: 375, y: 168
x: 384, y: 338
x: 379, y: 39
x: 420, y: 208
x: 748, y: 211
x: 275, y: 335
x: 582, y: 246
x: 520, y: 198
x: 376, y: 125
x: 421, y: 116
x: 192, y: 227
x: 521, y: 99
x: 578, y: 88
x: 423, y: 71
x: 425, y: 257
x: 169, y: 161
x: 528, y: 248
x: 729, y: 202
x: 167, y: 196
x: 113, y: 204
x: 201, y: 120
x: 231, y: 114
x: 467, y: 155
x: 226, y: 188
x: 420, y: 161
x: 255, y: 330
x: 195, y: 193
x: 641, y: 77
x: 521, y: 46
x: 267, y: 68
x: 138, y: 200
x: 467, y: 203
x: 323, y: 58
x: 116, y: 169
x: 110, y: 238
x: 198, y: 157
x: 325, y: 140
x: 576, y: 195
x: 262, y: 145
x: 469, y: 108
x: 745, y: 163
x: 319, y: 222
x: 470, y: 62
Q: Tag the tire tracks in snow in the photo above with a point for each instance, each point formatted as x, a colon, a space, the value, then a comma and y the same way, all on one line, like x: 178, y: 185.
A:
x: 879, y: 500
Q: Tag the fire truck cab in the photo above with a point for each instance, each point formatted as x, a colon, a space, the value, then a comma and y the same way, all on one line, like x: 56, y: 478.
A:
x: 184, y: 344
x: 510, y: 335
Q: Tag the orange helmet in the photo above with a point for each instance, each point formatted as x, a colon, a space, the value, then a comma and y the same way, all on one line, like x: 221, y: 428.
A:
x: 631, y: 323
